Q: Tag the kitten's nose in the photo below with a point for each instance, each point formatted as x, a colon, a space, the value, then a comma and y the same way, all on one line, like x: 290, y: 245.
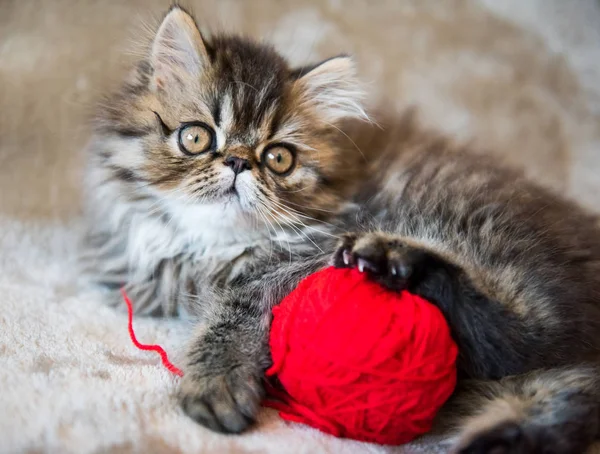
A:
x: 238, y: 165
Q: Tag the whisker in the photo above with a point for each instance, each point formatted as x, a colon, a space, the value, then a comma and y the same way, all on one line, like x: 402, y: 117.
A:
x: 284, y: 236
x: 298, y: 230
x: 268, y: 224
x: 265, y: 211
x: 297, y: 190
x: 313, y: 208
x: 297, y: 214
x: 349, y: 138
x: 241, y: 82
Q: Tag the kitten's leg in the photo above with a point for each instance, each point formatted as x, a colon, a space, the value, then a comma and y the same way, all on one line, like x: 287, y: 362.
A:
x: 223, y: 382
x: 553, y: 411
x: 222, y: 386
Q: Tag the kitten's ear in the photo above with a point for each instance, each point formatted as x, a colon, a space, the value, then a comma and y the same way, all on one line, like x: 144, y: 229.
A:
x: 178, y: 50
x: 333, y: 88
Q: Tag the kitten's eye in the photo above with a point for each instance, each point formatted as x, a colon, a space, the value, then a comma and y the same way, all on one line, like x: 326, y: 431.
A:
x: 279, y: 158
x: 195, y: 138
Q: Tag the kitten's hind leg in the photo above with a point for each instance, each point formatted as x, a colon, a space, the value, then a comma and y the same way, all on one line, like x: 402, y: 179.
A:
x: 553, y: 411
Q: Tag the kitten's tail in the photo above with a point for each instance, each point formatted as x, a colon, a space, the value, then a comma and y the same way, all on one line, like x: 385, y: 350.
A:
x: 557, y: 407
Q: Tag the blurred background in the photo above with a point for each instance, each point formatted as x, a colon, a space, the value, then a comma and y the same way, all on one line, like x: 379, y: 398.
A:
x: 516, y: 78
x: 520, y: 78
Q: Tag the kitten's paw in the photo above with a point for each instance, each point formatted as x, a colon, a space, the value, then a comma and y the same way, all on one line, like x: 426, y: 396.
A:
x: 227, y: 402
x: 386, y: 259
x: 505, y: 438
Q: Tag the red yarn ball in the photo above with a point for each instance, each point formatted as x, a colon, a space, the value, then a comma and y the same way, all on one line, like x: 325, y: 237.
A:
x: 358, y: 361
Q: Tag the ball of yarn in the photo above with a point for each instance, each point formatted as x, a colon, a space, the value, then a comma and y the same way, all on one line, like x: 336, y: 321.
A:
x: 358, y: 361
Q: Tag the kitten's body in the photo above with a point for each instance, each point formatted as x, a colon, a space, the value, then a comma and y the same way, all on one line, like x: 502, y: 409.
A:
x: 515, y: 270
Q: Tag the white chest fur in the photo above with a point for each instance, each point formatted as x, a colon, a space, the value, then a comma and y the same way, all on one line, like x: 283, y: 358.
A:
x: 208, y: 234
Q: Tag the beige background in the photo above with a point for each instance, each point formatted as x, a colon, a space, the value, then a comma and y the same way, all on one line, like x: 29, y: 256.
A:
x: 518, y: 78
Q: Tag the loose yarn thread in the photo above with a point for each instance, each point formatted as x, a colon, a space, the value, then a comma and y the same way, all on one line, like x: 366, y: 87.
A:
x: 151, y: 347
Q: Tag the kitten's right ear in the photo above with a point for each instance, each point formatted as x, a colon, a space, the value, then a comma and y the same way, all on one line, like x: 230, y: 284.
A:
x: 333, y: 88
x: 178, y: 50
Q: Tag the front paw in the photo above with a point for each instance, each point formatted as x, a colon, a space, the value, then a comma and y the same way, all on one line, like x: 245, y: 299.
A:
x: 226, y: 402
x: 386, y: 258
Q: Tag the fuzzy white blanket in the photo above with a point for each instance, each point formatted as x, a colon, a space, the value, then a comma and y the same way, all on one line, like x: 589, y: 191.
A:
x: 519, y: 77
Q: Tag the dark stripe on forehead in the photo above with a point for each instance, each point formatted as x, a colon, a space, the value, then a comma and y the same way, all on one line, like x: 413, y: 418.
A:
x: 251, y: 104
x: 276, y: 121
x: 271, y: 99
x: 216, y: 109
x: 254, y: 74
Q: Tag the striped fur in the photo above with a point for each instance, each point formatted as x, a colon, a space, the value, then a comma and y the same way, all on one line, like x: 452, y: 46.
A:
x: 514, y: 268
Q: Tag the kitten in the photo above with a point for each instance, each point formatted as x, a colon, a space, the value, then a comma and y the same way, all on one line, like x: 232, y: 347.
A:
x: 219, y: 177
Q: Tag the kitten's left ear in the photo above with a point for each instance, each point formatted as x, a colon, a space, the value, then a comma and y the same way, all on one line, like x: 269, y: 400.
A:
x: 178, y: 50
x: 333, y: 88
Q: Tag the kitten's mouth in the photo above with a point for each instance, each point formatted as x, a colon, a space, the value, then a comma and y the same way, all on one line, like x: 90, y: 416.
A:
x: 232, y: 191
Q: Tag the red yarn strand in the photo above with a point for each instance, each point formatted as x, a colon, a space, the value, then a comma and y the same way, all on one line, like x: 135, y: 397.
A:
x: 156, y: 348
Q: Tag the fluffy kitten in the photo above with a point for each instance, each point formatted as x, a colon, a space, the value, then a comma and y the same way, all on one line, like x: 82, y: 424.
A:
x: 219, y: 177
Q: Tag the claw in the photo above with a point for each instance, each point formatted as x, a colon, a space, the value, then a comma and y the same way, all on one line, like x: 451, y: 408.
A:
x: 365, y: 265
x: 347, y: 257
x: 361, y: 265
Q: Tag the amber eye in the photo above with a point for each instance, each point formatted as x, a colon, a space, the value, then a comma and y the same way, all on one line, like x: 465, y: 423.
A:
x: 279, y: 158
x: 195, y: 138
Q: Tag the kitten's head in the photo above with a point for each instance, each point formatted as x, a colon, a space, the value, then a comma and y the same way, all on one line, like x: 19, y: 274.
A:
x: 226, y: 120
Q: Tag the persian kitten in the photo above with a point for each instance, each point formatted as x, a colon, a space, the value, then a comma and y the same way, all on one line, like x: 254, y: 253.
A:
x: 219, y: 177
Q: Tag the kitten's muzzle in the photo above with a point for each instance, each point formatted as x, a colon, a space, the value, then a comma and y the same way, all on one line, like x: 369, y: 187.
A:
x: 238, y: 165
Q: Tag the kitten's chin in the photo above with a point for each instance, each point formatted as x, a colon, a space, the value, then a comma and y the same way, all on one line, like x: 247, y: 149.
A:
x: 232, y: 202
x: 242, y: 204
